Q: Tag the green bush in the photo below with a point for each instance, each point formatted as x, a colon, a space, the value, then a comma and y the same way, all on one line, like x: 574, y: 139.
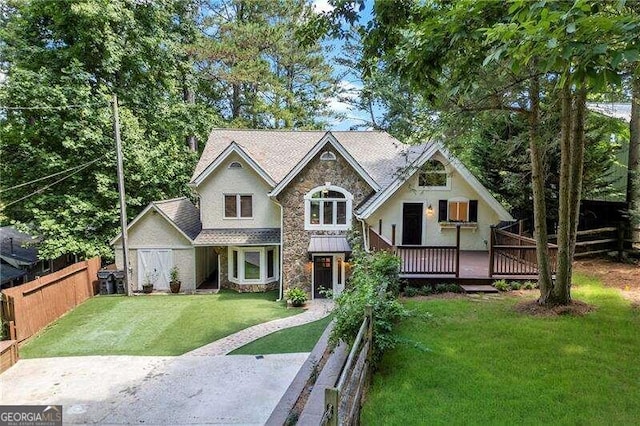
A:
x: 426, y: 290
x: 411, y: 291
x: 296, y: 296
x: 530, y: 285
x: 374, y: 281
x: 502, y: 285
x: 453, y: 288
x: 515, y: 285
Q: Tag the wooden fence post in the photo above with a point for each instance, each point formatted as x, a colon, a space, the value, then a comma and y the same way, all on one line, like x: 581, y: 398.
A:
x: 331, y: 402
x: 393, y: 235
x: 491, y: 254
x: 13, y: 335
x: 620, y: 240
x: 457, y: 250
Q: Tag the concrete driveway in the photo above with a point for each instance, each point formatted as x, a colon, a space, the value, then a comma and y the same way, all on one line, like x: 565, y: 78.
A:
x: 237, y: 389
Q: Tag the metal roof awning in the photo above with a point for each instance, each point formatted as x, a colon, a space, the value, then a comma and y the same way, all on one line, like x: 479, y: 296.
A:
x: 329, y: 244
x: 238, y: 237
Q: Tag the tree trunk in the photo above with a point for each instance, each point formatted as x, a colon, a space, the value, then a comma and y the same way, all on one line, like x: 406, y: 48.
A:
x: 571, y: 170
x: 190, y: 99
x: 537, y: 183
x: 633, y: 176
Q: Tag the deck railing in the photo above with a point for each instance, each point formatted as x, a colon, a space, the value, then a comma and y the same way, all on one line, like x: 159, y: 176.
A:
x: 428, y: 260
x: 513, y: 254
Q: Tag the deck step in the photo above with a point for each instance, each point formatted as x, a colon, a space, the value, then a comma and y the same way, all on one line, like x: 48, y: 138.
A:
x: 468, y: 288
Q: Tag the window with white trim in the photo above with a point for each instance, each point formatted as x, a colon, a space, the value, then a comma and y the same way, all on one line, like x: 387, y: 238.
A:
x: 328, y: 208
x: 253, y: 265
x: 238, y: 206
x: 235, y: 165
x: 433, y: 175
x: 458, y: 211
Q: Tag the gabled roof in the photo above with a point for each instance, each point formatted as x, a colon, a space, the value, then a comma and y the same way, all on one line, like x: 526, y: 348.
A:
x: 277, y: 152
x: 8, y: 273
x: 179, y: 212
x: 233, y: 147
x: 327, y: 139
x: 429, y: 151
x: 18, y: 246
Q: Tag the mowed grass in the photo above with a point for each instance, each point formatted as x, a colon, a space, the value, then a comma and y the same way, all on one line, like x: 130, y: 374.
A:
x: 291, y: 340
x: 480, y: 362
x: 152, y: 325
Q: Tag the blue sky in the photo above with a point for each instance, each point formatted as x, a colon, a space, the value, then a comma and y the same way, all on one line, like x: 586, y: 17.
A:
x: 350, y: 83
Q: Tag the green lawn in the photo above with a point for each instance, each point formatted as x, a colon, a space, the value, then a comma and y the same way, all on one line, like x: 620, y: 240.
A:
x: 291, y: 340
x: 152, y: 325
x: 482, y: 363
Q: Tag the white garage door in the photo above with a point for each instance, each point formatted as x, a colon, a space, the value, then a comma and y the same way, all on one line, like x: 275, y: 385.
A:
x: 154, y: 264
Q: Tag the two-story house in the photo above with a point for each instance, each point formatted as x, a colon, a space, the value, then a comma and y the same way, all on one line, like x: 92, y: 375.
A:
x: 274, y: 208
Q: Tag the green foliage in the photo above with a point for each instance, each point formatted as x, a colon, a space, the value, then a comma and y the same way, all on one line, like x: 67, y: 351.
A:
x: 502, y: 285
x: 374, y: 282
x: 174, y: 274
x: 515, y: 285
x: 296, y: 296
x: 529, y: 285
x: 411, y: 292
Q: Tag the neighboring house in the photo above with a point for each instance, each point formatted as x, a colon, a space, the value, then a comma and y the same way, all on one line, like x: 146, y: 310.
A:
x: 275, y: 207
x: 19, y: 261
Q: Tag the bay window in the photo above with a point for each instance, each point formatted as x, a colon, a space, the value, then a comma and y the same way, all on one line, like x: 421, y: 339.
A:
x: 253, y: 265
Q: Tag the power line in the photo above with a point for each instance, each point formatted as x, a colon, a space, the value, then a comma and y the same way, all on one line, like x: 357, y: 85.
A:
x: 46, y: 187
x: 52, y: 107
x: 51, y: 175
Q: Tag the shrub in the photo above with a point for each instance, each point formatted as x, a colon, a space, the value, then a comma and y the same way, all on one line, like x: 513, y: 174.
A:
x: 515, y: 285
x: 440, y: 288
x: 374, y: 281
x: 296, y: 296
x: 453, y: 288
x: 426, y: 290
x: 530, y: 285
x: 411, y: 291
x: 502, y: 285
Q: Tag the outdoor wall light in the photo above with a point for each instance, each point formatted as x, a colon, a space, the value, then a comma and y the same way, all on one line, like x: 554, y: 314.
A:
x: 429, y: 210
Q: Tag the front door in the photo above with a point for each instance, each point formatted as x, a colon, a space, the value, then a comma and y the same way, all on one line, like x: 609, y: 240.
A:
x: 322, y: 274
x: 411, y: 224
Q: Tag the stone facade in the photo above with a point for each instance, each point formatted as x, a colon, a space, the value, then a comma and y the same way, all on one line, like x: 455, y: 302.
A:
x: 297, y: 267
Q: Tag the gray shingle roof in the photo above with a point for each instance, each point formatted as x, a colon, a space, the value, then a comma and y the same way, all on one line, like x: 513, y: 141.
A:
x: 329, y: 244
x: 239, y: 237
x: 8, y: 273
x: 616, y: 110
x: 18, y: 245
x: 183, y: 214
x: 279, y: 151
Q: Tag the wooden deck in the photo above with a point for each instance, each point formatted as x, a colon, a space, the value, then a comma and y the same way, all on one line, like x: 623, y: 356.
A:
x: 474, y: 270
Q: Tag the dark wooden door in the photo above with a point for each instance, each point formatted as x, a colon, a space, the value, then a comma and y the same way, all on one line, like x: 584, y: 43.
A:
x: 322, y: 274
x: 412, y: 224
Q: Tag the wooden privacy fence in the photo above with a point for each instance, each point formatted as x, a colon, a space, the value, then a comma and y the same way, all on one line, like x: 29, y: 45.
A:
x: 32, y: 306
x: 343, y: 401
x: 513, y: 254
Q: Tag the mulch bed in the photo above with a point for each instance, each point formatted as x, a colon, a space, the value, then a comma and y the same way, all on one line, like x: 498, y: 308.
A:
x: 531, y: 307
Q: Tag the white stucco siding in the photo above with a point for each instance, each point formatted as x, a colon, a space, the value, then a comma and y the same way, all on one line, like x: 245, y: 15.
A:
x: 245, y: 180
x: 432, y: 233
x: 152, y: 231
x: 184, y: 259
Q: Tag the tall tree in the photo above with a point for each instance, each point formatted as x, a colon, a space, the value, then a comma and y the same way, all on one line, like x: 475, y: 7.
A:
x: 63, y: 60
x: 633, y: 180
x: 482, y: 56
x: 262, y: 73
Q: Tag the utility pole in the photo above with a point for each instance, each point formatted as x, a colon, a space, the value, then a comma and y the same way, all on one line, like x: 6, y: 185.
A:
x: 123, y: 206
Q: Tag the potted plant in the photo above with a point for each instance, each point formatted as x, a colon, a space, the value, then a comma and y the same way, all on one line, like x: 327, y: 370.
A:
x: 295, y: 296
x: 147, y: 285
x: 174, y: 282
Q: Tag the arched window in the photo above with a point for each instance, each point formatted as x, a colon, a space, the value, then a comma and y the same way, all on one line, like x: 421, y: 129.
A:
x: 235, y: 165
x: 328, y: 208
x: 328, y: 156
x: 433, y: 174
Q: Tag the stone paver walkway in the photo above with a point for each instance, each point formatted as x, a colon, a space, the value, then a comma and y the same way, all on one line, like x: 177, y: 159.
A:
x: 315, y: 310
